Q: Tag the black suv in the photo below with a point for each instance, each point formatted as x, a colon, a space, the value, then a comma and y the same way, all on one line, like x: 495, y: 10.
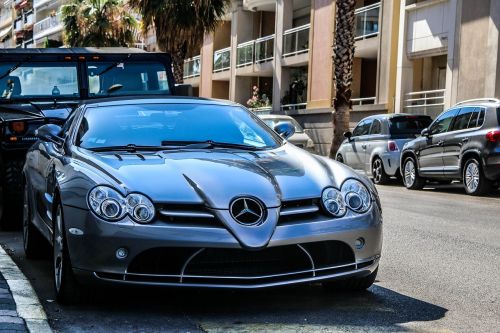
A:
x: 42, y: 86
x: 463, y: 143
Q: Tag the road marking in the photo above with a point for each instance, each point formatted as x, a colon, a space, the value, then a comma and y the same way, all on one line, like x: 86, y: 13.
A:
x: 27, y: 304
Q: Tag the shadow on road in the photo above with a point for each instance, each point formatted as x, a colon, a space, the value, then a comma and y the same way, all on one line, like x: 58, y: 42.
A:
x: 284, y: 307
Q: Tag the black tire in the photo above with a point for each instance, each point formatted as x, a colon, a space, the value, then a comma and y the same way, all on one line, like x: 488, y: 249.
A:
x: 411, y: 179
x: 475, y: 182
x: 339, y: 158
x: 378, y: 172
x: 12, y: 192
x: 67, y: 289
x: 35, y: 246
x: 352, y: 284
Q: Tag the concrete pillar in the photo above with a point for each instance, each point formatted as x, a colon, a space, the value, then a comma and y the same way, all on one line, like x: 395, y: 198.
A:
x: 387, y: 53
x: 404, y: 69
x: 320, y: 76
x: 492, y: 79
x: 207, y: 56
x: 283, y: 21
x: 241, y: 31
x: 452, y: 56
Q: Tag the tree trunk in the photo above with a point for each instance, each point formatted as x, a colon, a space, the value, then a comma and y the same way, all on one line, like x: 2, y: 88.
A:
x: 178, y: 67
x: 343, y: 63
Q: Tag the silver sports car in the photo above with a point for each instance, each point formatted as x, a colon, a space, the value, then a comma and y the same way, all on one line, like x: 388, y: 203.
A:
x: 193, y: 192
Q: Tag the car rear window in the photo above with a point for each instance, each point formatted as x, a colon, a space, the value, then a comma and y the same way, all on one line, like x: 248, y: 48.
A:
x: 408, y: 125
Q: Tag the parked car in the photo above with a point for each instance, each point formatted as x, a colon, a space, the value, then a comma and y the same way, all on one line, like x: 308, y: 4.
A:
x: 299, y: 138
x: 463, y: 143
x: 374, y: 147
x: 193, y: 192
x: 41, y: 86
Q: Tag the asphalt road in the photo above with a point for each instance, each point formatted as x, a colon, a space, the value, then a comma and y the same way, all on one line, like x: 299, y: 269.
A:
x: 439, y: 272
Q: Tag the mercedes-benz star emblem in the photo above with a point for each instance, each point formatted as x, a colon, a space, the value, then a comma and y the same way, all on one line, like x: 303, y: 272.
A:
x: 247, y: 211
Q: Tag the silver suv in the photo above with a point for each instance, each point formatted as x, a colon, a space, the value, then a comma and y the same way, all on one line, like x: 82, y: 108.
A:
x: 463, y: 143
x: 375, y: 145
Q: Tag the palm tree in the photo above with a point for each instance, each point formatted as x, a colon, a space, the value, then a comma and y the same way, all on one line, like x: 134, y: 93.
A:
x: 180, y: 25
x: 343, y: 61
x: 98, y: 23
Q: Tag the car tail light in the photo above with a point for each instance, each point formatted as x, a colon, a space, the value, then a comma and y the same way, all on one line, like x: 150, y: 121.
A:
x: 493, y: 136
x: 18, y: 127
x: 392, y: 146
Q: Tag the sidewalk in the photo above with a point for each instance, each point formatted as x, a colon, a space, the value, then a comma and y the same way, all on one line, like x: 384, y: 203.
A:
x: 20, y: 309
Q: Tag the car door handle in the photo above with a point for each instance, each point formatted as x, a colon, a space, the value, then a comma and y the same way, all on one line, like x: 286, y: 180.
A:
x: 464, y: 140
x: 363, y: 146
x: 440, y: 143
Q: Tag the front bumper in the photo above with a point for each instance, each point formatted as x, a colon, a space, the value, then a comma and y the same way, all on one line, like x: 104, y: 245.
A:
x: 176, y: 255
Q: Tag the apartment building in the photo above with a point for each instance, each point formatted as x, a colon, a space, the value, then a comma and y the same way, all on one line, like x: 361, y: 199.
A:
x: 285, y: 48
x: 448, y: 51
x: 47, y: 31
x: 6, y: 28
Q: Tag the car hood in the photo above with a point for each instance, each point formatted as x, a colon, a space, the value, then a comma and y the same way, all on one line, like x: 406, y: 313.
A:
x: 215, y: 177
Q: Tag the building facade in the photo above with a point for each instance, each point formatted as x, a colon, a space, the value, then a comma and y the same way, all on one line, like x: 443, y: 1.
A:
x: 285, y: 48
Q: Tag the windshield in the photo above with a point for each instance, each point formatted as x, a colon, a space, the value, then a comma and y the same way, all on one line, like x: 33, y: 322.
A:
x: 127, y: 78
x: 409, y: 124
x: 272, y: 122
x: 38, y: 80
x: 161, y: 124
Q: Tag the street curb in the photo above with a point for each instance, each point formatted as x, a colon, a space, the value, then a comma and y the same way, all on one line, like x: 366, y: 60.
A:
x: 27, y: 304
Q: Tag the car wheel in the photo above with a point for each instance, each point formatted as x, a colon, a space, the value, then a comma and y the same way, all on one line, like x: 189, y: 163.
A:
x: 352, y: 284
x: 378, y: 172
x: 411, y: 179
x: 475, y: 182
x: 34, y: 244
x: 340, y: 158
x: 68, y: 290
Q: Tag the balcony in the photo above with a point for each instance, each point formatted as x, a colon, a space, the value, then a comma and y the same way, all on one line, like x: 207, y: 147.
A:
x: 39, y: 3
x: 429, y: 102
x: 222, y: 60
x: 47, y: 26
x: 245, y: 53
x: 5, y: 17
x: 363, y: 101
x: 367, y: 21
x: 264, y: 49
x: 192, y: 67
x: 296, y: 41
x: 29, y: 44
x: 28, y: 20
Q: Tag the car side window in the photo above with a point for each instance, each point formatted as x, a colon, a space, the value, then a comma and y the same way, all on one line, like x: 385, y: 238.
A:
x: 376, y: 127
x: 442, y: 123
x: 463, y: 118
x: 473, y: 118
x: 363, y: 128
x: 480, y: 119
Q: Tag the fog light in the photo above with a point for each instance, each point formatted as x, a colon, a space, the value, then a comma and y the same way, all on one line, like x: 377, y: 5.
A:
x: 121, y: 253
x: 359, y: 243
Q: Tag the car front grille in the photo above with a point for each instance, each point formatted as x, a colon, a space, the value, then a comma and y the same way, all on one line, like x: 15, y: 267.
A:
x: 224, y: 267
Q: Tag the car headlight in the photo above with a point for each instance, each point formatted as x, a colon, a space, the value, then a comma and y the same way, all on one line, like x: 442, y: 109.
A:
x: 356, y: 196
x: 353, y: 195
x: 112, y: 206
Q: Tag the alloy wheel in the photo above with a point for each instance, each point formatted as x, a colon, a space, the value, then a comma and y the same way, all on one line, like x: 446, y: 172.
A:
x: 409, y: 173
x: 58, y: 249
x: 472, y: 177
x: 377, y: 170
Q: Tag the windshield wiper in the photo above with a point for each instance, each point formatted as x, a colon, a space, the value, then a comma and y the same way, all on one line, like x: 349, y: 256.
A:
x: 131, y: 148
x: 209, y: 144
x: 13, y: 68
x: 110, y: 67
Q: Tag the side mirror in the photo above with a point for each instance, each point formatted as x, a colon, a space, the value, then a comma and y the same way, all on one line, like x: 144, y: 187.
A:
x: 425, y: 132
x: 184, y: 90
x: 348, y: 135
x: 50, y: 133
x: 285, y: 129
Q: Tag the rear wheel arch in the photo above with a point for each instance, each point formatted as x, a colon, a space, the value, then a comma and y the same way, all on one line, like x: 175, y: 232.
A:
x: 467, y: 156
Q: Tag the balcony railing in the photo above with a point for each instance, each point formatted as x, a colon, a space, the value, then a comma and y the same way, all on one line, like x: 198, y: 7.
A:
x: 46, y: 24
x: 296, y: 41
x: 222, y: 60
x: 264, y: 49
x: 245, y: 53
x: 363, y: 100
x: 29, y: 44
x: 192, y: 67
x: 38, y: 3
x: 424, y: 102
x: 297, y: 106
x: 367, y: 21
